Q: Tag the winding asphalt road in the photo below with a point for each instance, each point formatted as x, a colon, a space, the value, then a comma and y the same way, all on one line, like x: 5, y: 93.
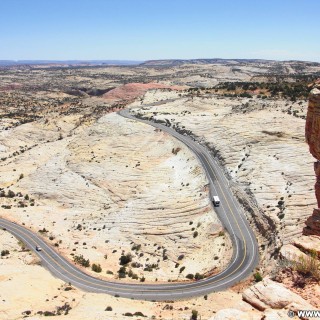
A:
x: 245, y: 253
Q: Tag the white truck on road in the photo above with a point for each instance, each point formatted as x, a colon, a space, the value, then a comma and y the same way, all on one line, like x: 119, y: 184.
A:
x: 216, y: 201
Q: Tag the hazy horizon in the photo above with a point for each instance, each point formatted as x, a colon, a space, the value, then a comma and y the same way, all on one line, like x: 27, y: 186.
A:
x: 130, y: 61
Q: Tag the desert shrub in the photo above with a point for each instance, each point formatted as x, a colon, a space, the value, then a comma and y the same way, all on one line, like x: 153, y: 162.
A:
x: 11, y: 194
x: 190, y: 276
x: 194, y: 315
x: 122, y: 272
x: 198, y: 276
x: 139, y: 314
x: 309, y: 265
x: 128, y: 314
x: 125, y: 259
x: 136, y: 247
x: 82, y: 261
x: 257, y: 277
x: 195, y: 234
x: 4, y: 253
x: 96, y: 268
x: 176, y: 150
x: 108, y: 308
x: 181, y: 269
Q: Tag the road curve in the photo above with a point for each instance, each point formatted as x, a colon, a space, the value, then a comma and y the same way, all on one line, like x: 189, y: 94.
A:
x: 245, y: 256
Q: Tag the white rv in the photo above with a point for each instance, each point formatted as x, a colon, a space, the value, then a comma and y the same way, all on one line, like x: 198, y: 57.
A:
x: 216, y: 201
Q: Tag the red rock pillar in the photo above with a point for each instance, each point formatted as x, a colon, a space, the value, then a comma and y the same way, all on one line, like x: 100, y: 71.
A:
x: 313, y: 140
x: 317, y: 185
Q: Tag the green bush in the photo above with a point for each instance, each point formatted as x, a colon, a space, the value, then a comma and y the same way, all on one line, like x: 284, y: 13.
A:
x: 122, y: 272
x: 82, y: 261
x: 11, y: 194
x: 139, y: 314
x: 257, y: 277
x: 128, y: 314
x: 4, y: 253
x: 309, y: 265
x: 194, y: 315
x: 96, y: 268
x: 181, y: 269
x: 125, y: 259
x: 198, y: 276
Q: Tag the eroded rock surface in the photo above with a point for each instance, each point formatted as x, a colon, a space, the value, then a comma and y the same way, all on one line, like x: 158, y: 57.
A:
x: 269, y: 294
x: 313, y: 139
x: 110, y: 188
x: 261, y: 145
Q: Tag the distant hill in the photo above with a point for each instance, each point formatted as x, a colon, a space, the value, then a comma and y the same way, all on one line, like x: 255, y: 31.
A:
x: 68, y: 62
x: 176, y: 62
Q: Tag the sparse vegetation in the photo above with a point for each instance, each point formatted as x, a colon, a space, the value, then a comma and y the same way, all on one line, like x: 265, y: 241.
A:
x: 82, y: 261
x: 125, y: 259
x: 308, y: 266
x: 122, y: 272
x: 194, y: 315
x: 257, y: 277
x: 5, y: 253
x: 96, y: 268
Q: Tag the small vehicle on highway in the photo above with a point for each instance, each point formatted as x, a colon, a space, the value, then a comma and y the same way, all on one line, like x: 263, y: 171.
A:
x: 216, y: 201
x: 38, y: 248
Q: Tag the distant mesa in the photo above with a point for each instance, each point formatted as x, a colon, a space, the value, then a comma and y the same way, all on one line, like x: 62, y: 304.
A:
x: 177, y: 62
x: 148, y: 63
x: 8, y: 63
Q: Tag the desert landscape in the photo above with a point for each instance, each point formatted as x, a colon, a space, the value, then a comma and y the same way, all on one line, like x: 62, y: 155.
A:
x: 127, y: 202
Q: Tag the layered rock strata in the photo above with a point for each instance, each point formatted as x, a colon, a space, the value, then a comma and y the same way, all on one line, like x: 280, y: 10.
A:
x: 313, y: 140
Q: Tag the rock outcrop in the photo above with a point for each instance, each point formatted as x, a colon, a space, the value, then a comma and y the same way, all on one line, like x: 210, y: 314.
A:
x: 313, y: 139
x: 231, y: 314
x: 269, y: 294
x: 308, y: 244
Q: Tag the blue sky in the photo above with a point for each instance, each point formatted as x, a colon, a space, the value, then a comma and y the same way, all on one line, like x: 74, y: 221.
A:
x: 159, y: 29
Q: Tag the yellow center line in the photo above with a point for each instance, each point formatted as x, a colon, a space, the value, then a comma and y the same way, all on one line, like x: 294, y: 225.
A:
x: 225, y: 198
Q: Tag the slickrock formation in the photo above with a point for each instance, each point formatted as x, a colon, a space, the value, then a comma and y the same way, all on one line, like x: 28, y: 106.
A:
x: 251, y: 137
x: 308, y: 244
x: 269, y: 294
x: 313, y: 139
x: 110, y: 187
